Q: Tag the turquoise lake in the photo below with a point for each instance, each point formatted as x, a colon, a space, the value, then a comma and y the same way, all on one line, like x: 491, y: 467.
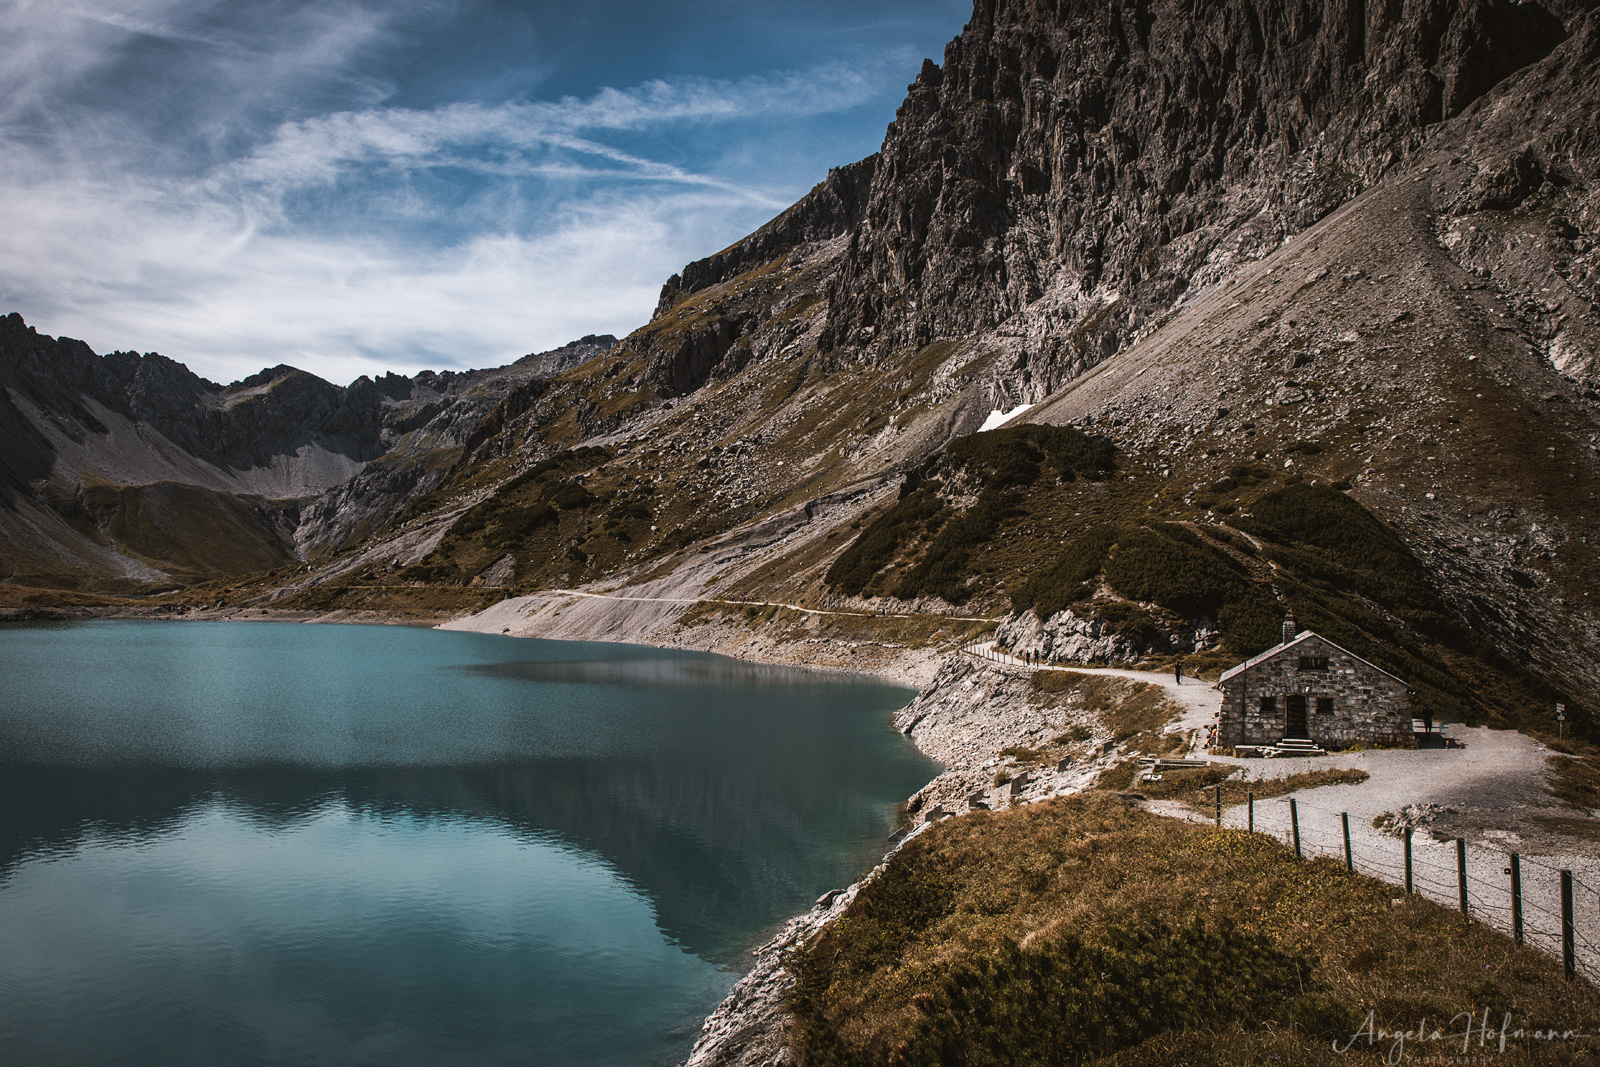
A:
x: 254, y: 843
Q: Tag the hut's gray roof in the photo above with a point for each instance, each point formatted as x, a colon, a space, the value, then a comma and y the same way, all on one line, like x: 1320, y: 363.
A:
x: 1262, y: 657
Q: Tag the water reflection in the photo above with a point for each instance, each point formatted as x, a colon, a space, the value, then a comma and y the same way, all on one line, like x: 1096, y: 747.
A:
x: 231, y: 843
x: 720, y: 854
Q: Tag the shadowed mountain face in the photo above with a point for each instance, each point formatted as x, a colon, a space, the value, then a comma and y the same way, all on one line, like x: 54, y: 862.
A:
x: 1244, y: 245
x: 131, y: 466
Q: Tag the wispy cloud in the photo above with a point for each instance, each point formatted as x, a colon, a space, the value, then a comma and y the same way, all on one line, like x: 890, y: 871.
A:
x: 232, y: 218
x: 518, y: 138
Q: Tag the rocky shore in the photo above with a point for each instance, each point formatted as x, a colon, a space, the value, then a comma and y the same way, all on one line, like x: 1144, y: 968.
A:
x: 968, y: 714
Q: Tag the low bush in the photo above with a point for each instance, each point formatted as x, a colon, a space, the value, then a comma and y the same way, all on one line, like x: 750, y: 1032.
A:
x: 881, y: 541
x: 569, y: 496
x: 633, y: 511
x: 942, y: 570
x: 998, y: 464
x: 1066, y: 581
x: 1011, y: 456
x: 1163, y: 564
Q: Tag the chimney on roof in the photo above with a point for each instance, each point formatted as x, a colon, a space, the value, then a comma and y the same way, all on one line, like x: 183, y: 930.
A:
x: 1290, y: 630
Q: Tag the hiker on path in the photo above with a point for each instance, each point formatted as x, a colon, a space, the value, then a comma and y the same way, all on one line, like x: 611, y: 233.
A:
x: 1177, y: 671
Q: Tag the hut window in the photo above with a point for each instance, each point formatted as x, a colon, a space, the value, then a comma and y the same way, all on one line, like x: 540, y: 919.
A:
x: 1313, y: 663
x: 1324, y: 705
x: 1269, y: 705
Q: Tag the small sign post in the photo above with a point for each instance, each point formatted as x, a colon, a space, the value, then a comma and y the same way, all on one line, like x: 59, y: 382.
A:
x: 1561, y: 721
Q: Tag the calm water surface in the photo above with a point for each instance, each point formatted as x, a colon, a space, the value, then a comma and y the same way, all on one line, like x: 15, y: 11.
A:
x: 238, y: 843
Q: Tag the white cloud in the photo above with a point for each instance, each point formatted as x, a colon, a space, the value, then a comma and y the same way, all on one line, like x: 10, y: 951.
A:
x: 517, y: 137
x: 207, y: 287
x: 359, y: 240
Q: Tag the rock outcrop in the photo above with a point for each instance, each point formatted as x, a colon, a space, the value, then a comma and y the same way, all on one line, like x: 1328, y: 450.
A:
x: 1070, y: 637
x: 1073, y: 170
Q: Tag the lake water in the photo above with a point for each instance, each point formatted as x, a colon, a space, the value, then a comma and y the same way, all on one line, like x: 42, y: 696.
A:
x: 239, y: 843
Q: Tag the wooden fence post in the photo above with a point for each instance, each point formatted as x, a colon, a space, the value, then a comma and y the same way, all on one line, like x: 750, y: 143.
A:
x: 1252, y: 802
x: 1349, y: 860
x: 1294, y: 820
x: 1461, y: 871
x: 1219, y: 805
x: 1568, y: 929
x: 1409, y: 888
x: 1515, y: 870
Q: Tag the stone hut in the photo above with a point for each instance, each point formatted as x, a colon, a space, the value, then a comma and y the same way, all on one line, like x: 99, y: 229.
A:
x: 1310, y: 688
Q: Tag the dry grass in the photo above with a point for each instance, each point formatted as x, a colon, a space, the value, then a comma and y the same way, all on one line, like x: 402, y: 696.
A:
x: 1086, y: 865
x: 1199, y: 783
x: 1277, y: 787
x: 1575, y: 779
x: 1132, y: 711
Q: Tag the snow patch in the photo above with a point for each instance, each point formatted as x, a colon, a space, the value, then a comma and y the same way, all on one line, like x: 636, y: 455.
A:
x: 998, y: 418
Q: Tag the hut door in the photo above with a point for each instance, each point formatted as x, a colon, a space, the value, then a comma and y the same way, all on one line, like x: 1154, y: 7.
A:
x: 1296, y: 726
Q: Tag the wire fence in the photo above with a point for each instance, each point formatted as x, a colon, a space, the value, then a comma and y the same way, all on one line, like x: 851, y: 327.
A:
x: 1549, y: 907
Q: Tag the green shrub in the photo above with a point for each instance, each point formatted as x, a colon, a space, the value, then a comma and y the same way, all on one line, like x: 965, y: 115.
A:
x: 877, y: 545
x: 1065, y: 581
x: 570, y: 496
x: 633, y: 511
x: 428, y: 572
x: 1166, y: 565
x: 1010, y: 456
x: 942, y: 570
x: 1331, y: 540
x: 1249, y: 474
x: 1173, y: 571
x: 513, y: 524
x: 1000, y: 461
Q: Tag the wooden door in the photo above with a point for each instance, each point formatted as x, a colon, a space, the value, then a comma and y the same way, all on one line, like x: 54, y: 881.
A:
x: 1296, y: 725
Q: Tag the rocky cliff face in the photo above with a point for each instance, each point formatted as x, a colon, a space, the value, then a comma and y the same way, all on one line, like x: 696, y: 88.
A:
x: 1074, y: 170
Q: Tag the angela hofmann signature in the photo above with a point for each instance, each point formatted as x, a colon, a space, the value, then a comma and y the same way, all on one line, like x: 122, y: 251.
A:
x: 1469, y: 1037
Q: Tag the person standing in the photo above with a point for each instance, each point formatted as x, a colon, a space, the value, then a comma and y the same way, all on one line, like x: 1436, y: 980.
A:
x: 1177, y: 671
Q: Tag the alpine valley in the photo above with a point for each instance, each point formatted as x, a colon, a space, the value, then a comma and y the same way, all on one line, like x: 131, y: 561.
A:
x: 1299, y: 301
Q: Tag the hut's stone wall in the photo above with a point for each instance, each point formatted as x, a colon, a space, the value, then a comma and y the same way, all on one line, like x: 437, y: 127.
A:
x: 1347, y: 699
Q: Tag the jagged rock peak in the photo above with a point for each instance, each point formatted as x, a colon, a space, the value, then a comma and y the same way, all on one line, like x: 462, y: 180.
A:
x: 1075, y: 168
x: 568, y: 355
x: 831, y: 208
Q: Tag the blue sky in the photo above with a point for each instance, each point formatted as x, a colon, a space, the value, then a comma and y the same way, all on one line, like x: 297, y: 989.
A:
x: 354, y: 186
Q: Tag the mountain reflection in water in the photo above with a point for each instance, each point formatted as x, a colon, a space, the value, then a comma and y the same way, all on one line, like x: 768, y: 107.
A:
x: 469, y: 848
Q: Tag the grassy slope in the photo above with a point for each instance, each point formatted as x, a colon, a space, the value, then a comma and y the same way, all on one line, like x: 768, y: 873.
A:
x: 1000, y: 521
x: 1074, y: 879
